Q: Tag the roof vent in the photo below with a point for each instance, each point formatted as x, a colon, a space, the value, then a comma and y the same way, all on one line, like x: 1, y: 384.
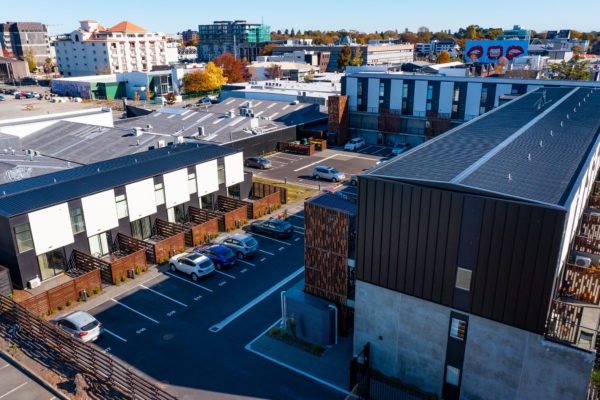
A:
x: 562, y: 124
x: 529, y: 156
x: 567, y: 115
x: 541, y: 143
x: 509, y: 177
x: 98, y: 170
x: 551, y: 133
x: 54, y: 180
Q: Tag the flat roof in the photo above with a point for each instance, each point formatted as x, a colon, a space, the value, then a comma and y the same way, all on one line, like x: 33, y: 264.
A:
x: 533, y: 148
x: 336, y: 201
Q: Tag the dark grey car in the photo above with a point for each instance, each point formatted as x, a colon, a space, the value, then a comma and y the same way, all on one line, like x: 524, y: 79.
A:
x: 258, y: 162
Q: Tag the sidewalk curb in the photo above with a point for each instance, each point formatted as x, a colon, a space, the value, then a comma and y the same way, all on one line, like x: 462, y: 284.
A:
x: 9, y: 359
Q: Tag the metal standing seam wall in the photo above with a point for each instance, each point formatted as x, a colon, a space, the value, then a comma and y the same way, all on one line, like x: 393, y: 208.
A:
x: 409, y: 240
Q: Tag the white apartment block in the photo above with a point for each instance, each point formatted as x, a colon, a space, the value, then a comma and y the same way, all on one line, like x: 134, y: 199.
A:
x: 125, y: 47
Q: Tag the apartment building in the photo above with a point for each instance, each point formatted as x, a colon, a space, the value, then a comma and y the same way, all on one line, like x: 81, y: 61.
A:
x: 240, y: 38
x: 45, y: 218
x: 435, y: 47
x: 20, y: 37
x: 95, y: 50
x: 466, y: 283
x: 389, y: 108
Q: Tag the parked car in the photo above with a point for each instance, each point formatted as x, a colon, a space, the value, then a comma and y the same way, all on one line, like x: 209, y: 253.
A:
x: 258, y: 162
x: 242, y: 245
x: 81, y: 325
x: 400, y: 148
x: 220, y: 255
x: 273, y: 227
x: 354, y: 144
x: 20, y: 95
x: 193, y: 264
x: 31, y: 95
x: 354, y: 180
x: 2, y: 98
x: 328, y: 173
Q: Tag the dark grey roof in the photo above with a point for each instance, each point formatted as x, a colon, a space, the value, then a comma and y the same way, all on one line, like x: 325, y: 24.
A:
x: 335, y: 201
x: 46, y: 190
x: 519, y: 150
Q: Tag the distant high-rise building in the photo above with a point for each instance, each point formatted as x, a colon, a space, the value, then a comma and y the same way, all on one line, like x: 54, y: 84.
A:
x: 239, y: 37
x: 19, y: 37
x: 189, y: 36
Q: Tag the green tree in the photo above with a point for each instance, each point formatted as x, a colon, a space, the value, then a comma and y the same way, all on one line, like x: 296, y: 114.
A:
x: 424, y: 35
x: 570, y: 71
x: 30, y: 58
x: 577, y: 49
x: 344, y: 58
x: 357, y: 60
x: 207, y: 80
x: 444, y: 57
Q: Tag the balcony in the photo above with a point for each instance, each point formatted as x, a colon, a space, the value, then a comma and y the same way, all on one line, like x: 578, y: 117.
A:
x: 573, y: 324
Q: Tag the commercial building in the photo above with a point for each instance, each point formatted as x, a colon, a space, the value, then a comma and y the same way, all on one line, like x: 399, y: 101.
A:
x: 125, y: 47
x: 189, y: 36
x: 388, y: 108
x: 284, y: 70
x: 95, y: 87
x: 516, y: 33
x: 240, y: 38
x: 435, y: 47
x: 13, y: 70
x: 464, y: 282
x: 20, y: 37
x: 47, y: 217
x: 319, y: 59
x: 375, y: 53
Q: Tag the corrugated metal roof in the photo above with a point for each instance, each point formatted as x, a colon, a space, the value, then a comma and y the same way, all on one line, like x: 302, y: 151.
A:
x: 519, y: 150
x: 46, y: 190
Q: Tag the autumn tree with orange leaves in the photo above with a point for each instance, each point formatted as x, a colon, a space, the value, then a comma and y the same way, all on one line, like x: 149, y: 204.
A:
x: 233, y: 69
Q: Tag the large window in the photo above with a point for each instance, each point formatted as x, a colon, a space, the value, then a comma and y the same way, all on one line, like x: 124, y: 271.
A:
x: 176, y: 214
x: 23, y: 237
x: 452, y: 375
x: 192, y: 183
x: 234, y: 191
x: 429, y: 95
x: 458, y: 328
x: 159, y: 194
x: 207, y: 202
x: 121, y: 206
x: 100, y: 244
x: 52, y: 263
x: 141, y: 228
x: 77, y: 221
x: 483, y: 100
x: 221, y: 174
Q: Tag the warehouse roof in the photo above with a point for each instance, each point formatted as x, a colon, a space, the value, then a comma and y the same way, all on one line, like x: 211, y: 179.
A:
x: 533, y: 148
x: 46, y: 190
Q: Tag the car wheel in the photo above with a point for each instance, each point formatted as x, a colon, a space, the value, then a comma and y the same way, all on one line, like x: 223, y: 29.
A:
x: 218, y: 266
x: 317, y: 177
x: 240, y: 255
x: 194, y: 277
x: 334, y: 180
x: 172, y: 267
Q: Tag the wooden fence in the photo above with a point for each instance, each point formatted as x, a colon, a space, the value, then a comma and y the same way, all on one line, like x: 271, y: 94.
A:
x: 5, y: 282
x: 295, y: 148
x: 235, y: 213
x: 263, y: 206
x: 121, y: 265
x: 59, y: 348
x: 130, y: 245
x: 320, y: 144
x: 173, y: 241
x: 85, y: 262
x: 264, y: 189
x: 204, y: 225
x: 49, y: 301
x: 594, y: 202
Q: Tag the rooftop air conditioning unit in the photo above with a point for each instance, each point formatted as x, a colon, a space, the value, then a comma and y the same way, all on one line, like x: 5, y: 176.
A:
x: 137, y: 131
x: 160, y: 144
x: 201, y: 131
x: 35, y: 282
x: 582, y: 261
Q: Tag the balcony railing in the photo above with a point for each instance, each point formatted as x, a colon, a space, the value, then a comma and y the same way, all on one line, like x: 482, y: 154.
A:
x: 565, y: 324
x: 581, y: 284
x: 594, y: 202
x: 590, y: 226
x: 587, y: 245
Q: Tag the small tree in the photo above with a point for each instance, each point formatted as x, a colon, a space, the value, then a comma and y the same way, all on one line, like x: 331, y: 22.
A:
x: 274, y: 72
x: 357, y: 60
x: 233, y: 69
x: 30, y: 58
x: 344, y: 58
x: 570, y: 71
x: 577, y: 49
x: 444, y: 57
x: 208, y: 80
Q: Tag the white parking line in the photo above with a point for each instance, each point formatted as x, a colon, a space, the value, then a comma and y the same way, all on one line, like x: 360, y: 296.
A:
x: 316, y: 162
x: 4, y: 366
x: 235, y: 315
x: 299, y: 233
x: 190, y: 282
x: 246, y: 262
x: 380, y: 150
x: 135, y: 311
x: 364, y: 151
x: 267, y: 252
x: 296, y: 239
x: 165, y: 296
x: 115, y: 335
x: 361, y: 157
x: 270, y: 238
x: 223, y: 273
x: 13, y: 390
x: 263, y: 259
x: 298, y: 227
x: 281, y: 248
x: 297, y: 216
x: 306, y: 374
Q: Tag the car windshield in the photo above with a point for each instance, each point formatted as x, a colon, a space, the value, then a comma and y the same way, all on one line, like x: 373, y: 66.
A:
x: 194, y: 258
x: 205, y: 264
x: 90, y: 326
x: 222, y: 251
x: 333, y: 171
x: 250, y: 242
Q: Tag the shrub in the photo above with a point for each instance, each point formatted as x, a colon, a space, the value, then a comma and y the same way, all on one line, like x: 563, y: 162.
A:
x: 138, y: 270
x: 117, y: 282
x: 96, y: 290
x: 69, y: 302
x: 60, y: 308
x: 124, y: 278
x: 596, y: 377
x: 51, y: 311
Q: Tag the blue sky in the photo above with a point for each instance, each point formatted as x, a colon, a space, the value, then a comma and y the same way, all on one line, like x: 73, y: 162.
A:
x: 175, y: 16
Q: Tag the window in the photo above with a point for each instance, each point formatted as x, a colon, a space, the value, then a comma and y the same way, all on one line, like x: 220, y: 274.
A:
x: 483, y: 100
x: 207, y: 202
x: 192, y: 183
x: 23, y: 237
x: 77, y: 221
x: 121, y: 206
x: 176, y: 214
x: 234, y: 191
x: 429, y: 95
x: 99, y: 244
x: 52, y: 263
x: 463, y: 278
x: 221, y: 174
x: 452, y: 375
x: 159, y: 194
x: 141, y: 228
x: 458, y: 328
x: 405, y: 98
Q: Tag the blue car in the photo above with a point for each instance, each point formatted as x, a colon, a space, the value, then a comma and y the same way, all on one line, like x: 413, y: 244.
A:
x: 221, y: 256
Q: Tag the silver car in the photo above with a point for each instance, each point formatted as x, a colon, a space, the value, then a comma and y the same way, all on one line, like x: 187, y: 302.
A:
x: 258, y: 162
x: 328, y: 173
x: 242, y: 245
x: 81, y: 325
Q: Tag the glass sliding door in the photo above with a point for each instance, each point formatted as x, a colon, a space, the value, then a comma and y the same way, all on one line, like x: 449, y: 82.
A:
x: 176, y: 214
x: 52, y: 263
x: 141, y: 228
x: 100, y: 244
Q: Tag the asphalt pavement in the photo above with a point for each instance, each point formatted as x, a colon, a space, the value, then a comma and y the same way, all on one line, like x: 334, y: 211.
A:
x: 15, y: 385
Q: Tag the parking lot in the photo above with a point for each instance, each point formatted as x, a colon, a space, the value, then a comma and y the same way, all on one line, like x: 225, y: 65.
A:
x: 15, y: 385
x: 298, y: 169
x: 191, y: 335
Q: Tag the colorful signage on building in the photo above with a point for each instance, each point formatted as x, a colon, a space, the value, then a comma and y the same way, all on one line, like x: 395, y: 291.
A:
x: 491, y: 51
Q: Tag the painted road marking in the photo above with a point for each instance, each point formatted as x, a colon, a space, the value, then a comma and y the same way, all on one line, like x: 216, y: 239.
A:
x: 263, y: 259
x: 316, y: 162
x: 281, y: 248
x: 139, y: 331
x: 306, y: 374
x: 296, y: 239
x: 270, y: 238
x: 190, y: 282
x: 246, y: 262
x: 13, y: 390
x: 223, y: 283
x: 297, y: 216
x: 223, y: 273
x: 171, y: 313
x: 267, y: 252
x: 217, y: 327
x: 135, y: 311
x: 244, y: 270
x: 115, y: 335
x: 298, y: 227
x: 165, y: 296
x: 198, y: 297
x: 107, y: 350
x: 4, y: 366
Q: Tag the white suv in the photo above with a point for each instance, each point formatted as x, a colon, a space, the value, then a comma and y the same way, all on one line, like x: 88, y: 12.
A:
x: 195, y: 265
x: 354, y: 144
